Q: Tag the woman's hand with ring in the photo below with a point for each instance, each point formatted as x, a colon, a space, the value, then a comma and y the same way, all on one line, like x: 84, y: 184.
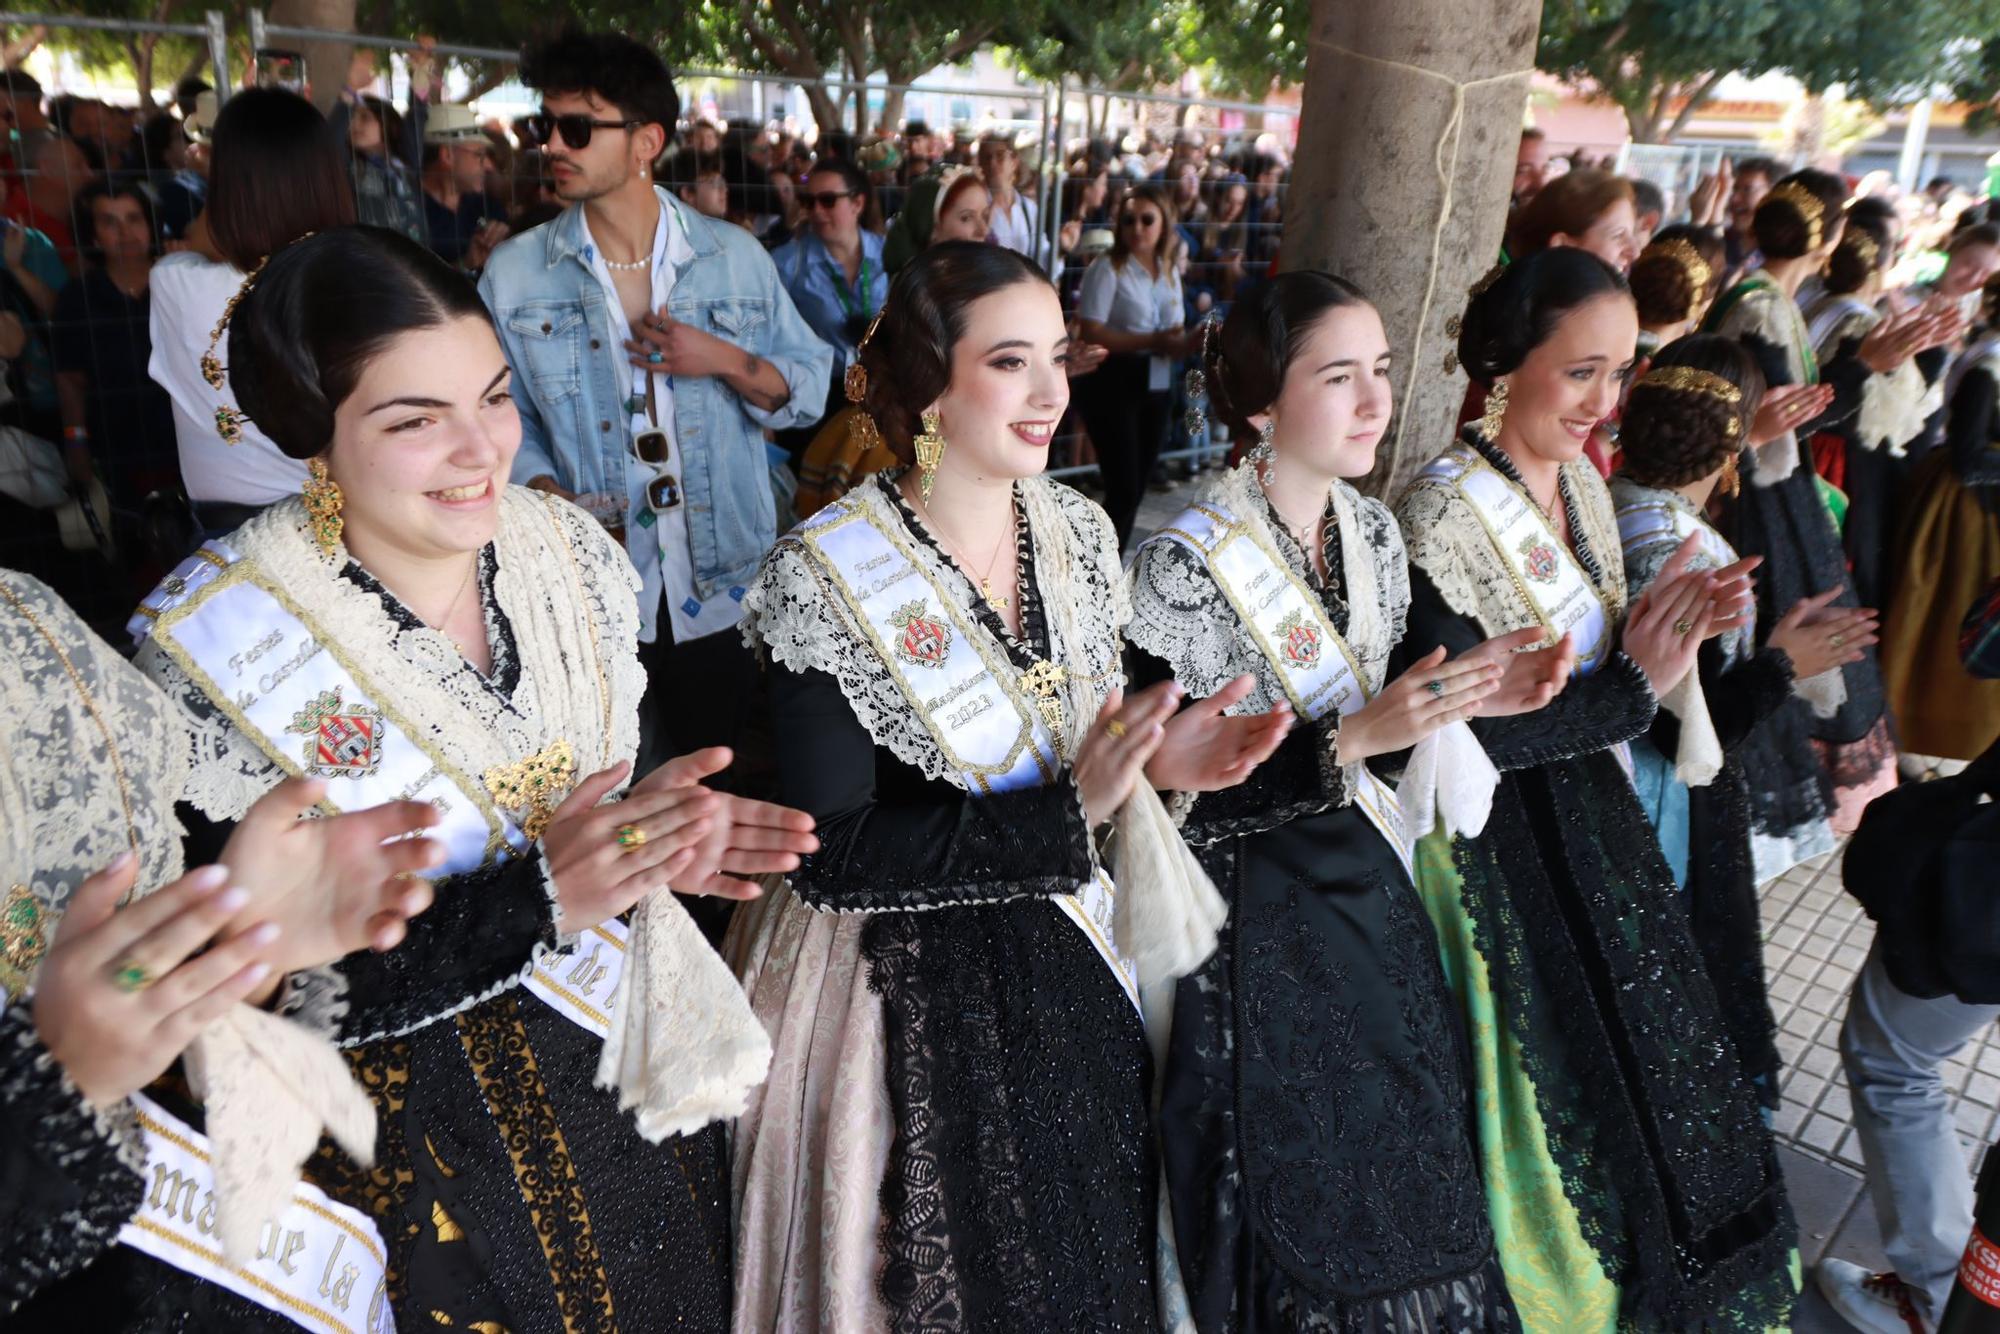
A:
x: 595, y: 877
x: 1107, y: 766
x: 1786, y: 407
x: 1424, y: 698
x: 744, y: 837
x: 1818, y: 637
x: 113, y: 1041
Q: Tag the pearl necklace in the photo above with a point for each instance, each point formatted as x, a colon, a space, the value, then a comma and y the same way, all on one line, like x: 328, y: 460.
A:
x: 634, y: 267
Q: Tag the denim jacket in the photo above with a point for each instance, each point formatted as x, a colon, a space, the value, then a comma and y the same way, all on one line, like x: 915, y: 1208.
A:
x: 567, y: 347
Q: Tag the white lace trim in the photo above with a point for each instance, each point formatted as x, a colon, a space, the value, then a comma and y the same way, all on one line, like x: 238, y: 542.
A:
x: 62, y: 815
x: 1771, y: 315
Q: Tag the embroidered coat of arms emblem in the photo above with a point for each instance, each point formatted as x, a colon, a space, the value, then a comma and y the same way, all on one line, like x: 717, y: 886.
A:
x: 1299, y: 640
x: 341, y: 742
x: 926, y: 640
x: 1538, y: 558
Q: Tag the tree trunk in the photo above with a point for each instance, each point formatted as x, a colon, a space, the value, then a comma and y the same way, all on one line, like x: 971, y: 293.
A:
x: 892, y: 105
x: 1367, y: 201
x: 826, y: 112
x: 326, y: 62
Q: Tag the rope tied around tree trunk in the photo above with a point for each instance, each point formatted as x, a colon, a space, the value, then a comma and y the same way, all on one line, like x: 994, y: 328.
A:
x: 1447, y: 171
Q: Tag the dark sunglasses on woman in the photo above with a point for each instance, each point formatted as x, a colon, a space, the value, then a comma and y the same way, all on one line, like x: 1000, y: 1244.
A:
x: 574, y: 128
x: 826, y: 199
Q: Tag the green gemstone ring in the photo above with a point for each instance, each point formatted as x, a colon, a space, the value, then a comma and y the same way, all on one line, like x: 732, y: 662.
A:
x: 129, y: 975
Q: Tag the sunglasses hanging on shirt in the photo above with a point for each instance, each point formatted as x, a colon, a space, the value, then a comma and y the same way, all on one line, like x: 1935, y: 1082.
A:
x: 574, y: 128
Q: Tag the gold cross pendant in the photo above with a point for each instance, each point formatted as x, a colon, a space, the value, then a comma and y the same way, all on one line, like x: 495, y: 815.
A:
x: 535, y: 785
x: 1042, y: 681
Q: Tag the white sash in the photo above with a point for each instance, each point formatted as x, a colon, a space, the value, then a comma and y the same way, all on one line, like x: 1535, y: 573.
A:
x: 1647, y: 523
x: 1309, y: 657
x: 579, y: 983
x: 957, y: 681
x: 1555, y: 587
x: 319, y: 1264
x: 249, y: 648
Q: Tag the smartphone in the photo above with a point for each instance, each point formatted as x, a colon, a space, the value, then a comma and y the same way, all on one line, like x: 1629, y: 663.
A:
x: 279, y: 68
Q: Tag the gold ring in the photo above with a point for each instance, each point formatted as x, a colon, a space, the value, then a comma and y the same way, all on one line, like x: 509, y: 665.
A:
x: 1838, y: 641
x: 631, y: 836
x: 129, y: 975
x: 1115, y: 729
x: 1683, y: 626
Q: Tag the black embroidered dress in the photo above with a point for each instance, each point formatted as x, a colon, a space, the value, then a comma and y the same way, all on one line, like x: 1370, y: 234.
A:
x: 955, y: 1133
x: 1314, y: 1118
x: 1631, y: 1181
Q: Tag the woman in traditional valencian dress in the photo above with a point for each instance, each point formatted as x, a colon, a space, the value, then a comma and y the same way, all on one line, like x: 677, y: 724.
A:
x: 1314, y: 1121
x: 1685, y: 421
x: 1949, y: 545
x: 1783, y: 516
x: 955, y: 1135
x: 415, y: 626
x: 96, y: 1004
x: 1632, y: 1183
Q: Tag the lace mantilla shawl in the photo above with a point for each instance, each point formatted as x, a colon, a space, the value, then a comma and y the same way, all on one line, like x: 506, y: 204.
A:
x: 1181, y: 616
x: 64, y: 813
x: 1448, y: 542
x: 1894, y: 404
x: 577, y: 681
x: 791, y: 613
x: 1768, y: 313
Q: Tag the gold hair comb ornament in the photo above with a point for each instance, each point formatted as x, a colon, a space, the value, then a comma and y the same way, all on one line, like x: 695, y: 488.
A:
x: 1682, y: 252
x: 1863, y: 245
x: 228, y: 419
x: 1492, y: 276
x: 1688, y: 380
x: 855, y: 383
x: 1806, y: 204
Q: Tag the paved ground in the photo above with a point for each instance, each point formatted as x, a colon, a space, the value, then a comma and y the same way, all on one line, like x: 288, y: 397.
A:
x: 1815, y: 938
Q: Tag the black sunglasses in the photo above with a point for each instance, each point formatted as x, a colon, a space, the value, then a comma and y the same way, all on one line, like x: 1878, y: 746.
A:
x: 575, y: 128
x: 825, y: 198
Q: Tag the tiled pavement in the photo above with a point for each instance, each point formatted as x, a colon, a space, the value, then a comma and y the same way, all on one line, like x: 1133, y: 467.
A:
x: 1815, y: 938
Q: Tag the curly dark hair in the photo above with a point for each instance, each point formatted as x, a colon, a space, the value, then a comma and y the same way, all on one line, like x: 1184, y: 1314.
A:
x: 1515, y: 313
x: 1783, y: 230
x: 1669, y: 435
x: 319, y: 312
x: 1247, y: 357
x: 908, y: 357
x: 1662, y: 287
x: 1864, y: 248
x: 617, y: 69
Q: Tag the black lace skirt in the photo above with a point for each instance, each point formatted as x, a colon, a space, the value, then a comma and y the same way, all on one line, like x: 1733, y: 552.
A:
x: 1021, y: 1187
x: 1314, y: 1120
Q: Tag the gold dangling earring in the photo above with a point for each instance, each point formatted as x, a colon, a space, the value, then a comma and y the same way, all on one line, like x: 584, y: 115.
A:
x: 930, y: 452
x: 1496, y: 409
x: 1731, y: 480
x: 323, y: 501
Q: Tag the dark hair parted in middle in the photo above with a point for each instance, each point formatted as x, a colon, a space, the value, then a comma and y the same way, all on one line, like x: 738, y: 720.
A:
x: 1690, y: 412
x: 1248, y: 356
x: 320, y: 311
x: 1520, y: 308
x: 908, y: 358
x: 617, y: 69
x: 275, y: 174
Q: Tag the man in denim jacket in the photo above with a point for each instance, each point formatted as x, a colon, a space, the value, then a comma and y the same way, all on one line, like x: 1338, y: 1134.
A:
x: 652, y: 347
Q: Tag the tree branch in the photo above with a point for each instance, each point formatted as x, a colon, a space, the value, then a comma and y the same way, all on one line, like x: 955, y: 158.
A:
x: 1695, y: 99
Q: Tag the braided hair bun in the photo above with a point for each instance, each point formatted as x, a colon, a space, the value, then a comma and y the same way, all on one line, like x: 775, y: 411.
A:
x: 1690, y: 413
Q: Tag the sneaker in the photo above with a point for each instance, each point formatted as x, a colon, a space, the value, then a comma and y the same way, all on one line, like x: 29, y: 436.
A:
x: 1879, y: 1303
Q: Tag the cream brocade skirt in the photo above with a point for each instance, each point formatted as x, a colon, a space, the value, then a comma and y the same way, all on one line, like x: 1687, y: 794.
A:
x: 808, y: 1154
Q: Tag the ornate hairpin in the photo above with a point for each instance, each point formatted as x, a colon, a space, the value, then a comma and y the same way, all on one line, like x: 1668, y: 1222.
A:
x: 1863, y: 245
x: 1682, y: 252
x: 228, y: 420
x: 1491, y: 277
x: 855, y: 383
x: 1806, y: 204
x: 1689, y: 380
x: 1196, y: 419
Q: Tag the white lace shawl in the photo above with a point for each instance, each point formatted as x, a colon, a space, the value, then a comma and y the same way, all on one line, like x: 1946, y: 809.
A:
x: 1182, y: 617
x: 1894, y: 404
x: 1448, y: 542
x: 1167, y: 912
x: 1774, y: 317
x: 63, y: 811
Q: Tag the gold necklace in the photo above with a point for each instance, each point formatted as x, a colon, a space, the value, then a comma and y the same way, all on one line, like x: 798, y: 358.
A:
x: 90, y: 707
x: 985, y: 580
x: 456, y: 598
